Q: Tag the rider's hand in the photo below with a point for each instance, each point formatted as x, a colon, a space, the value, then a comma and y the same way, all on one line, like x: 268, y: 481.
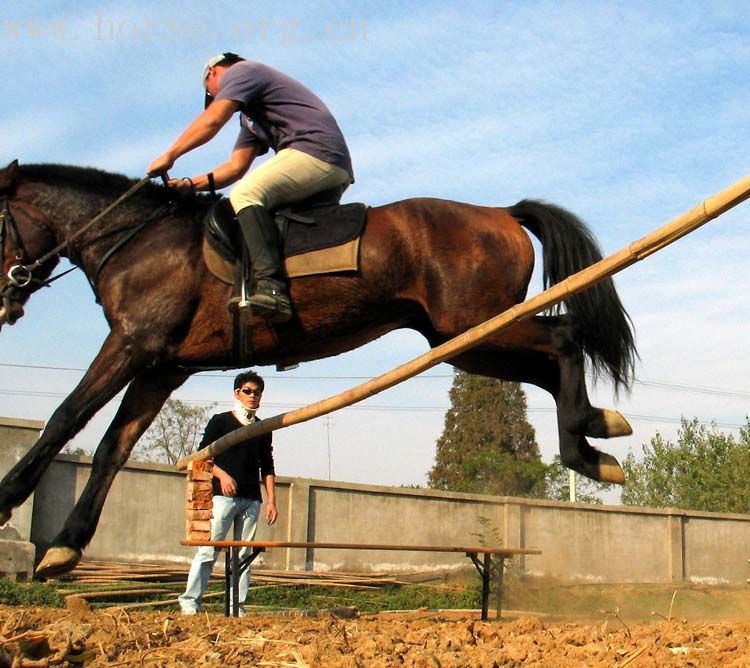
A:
x: 184, y: 186
x: 160, y: 166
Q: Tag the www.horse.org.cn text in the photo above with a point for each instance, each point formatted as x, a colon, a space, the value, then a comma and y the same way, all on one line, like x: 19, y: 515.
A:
x: 104, y: 28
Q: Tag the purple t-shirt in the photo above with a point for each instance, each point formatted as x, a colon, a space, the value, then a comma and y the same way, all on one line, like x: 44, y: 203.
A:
x: 278, y: 112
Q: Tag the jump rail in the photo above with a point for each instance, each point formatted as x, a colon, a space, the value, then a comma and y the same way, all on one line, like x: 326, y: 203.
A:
x: 198, y: 507
x: 493, y: 560
x: 634, y: 252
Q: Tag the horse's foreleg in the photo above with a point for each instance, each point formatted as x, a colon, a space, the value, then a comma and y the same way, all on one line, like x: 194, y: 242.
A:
x: 111, y: 370
x: 140, y: 405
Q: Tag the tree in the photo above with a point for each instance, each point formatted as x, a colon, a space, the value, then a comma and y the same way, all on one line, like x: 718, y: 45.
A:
x: 70, y: 449
x: 487, y: 445
x: 175, y: 432
x: 704, y: 470
x: 558, y: 485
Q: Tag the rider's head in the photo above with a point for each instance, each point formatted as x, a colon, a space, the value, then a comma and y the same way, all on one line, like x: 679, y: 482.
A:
x: 210, y: 72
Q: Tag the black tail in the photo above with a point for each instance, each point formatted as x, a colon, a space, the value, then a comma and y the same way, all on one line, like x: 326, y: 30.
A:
x: 601, y: 323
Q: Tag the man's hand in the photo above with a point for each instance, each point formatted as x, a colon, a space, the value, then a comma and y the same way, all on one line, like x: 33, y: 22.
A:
x: 271, y: 512
x: 227, y: 482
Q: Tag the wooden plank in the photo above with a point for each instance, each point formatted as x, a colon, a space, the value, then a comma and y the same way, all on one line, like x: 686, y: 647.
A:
x: 119, y: 593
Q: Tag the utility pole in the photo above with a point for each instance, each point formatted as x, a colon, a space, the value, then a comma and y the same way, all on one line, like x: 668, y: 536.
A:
x: 328, y: 439
x: 572, y: 485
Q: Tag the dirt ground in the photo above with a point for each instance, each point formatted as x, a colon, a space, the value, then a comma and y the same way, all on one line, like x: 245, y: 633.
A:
x: 79, y: 636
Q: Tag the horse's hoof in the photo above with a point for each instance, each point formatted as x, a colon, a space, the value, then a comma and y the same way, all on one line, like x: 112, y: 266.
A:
x: 5, y: 517
x: 608, y: 424
x: 610, y: 470
x: 58, y: 560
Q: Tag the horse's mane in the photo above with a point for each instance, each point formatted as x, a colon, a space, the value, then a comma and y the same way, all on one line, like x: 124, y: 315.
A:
x: 71, y: 176
x: 88, y: 179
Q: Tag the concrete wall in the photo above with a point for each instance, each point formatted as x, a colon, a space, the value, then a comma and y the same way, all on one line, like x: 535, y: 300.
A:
x: 143, y: 520
x: 16, y: 437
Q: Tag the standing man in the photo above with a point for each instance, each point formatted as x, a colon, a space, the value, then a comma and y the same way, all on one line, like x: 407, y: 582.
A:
x: 277, y: 112
x: 236, y: 488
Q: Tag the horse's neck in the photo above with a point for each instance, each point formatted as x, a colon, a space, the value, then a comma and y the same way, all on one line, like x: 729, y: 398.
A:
x: 65, y: 209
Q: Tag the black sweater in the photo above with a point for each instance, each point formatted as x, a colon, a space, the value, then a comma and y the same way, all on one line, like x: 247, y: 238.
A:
x: 247, y: 462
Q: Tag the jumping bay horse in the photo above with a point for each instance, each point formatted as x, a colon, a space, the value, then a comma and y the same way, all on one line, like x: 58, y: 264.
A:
x: 435, y: 266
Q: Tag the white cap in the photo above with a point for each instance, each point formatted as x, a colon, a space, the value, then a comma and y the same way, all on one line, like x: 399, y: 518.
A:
x: 228, y: 56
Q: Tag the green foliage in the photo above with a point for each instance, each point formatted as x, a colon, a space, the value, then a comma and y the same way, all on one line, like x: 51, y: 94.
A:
x: 558, y: 485
x: 489, y: 535
x: 70, y: 450
x: 175, y: 432
x: 391, y: 597
x: 487, y: 445
x: 705, y: 470
x: 29, y: 594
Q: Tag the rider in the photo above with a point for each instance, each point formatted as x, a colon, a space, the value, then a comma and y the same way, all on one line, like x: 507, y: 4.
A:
x: 276, y: 112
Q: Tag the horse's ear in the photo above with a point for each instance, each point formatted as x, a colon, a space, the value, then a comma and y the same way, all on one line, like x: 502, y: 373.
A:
x: 8, y: 176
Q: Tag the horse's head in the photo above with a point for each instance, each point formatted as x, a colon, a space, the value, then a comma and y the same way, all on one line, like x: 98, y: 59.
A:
x: 24, y: 236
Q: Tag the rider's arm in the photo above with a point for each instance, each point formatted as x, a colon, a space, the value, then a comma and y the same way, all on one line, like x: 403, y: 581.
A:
x: 202, y: 129
x: 234, y: 168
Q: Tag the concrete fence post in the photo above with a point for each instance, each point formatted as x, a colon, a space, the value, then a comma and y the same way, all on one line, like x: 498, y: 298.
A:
x: 514, y: 530
x: 298, y: 525
x: 676, y: 545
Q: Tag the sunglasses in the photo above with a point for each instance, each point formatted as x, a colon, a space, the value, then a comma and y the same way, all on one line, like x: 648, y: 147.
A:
x: 248, y: 391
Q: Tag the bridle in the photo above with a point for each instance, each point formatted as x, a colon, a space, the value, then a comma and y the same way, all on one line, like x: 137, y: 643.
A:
x: 9, y: 229
x: 21, y: 274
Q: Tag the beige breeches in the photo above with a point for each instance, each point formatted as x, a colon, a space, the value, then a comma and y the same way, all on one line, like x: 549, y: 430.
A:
x: 289, y: 176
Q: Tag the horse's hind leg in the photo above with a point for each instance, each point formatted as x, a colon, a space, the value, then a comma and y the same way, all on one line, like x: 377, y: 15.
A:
x: 140, y: 405
x: 540, y: 351
x: 111, y: 370
x: 576, y: 419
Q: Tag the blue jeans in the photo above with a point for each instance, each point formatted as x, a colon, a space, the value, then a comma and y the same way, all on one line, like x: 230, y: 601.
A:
x: 242, y: 514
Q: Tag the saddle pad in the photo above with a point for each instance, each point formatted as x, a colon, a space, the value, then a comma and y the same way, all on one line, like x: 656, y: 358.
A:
x: 320, y: 240
x: 324, y: 261
x: 322, y: 227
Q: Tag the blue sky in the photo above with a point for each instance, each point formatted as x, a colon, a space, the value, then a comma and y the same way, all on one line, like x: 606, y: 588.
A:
x: 626, y: 113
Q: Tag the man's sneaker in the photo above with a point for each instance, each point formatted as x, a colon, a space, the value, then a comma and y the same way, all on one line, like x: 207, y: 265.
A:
x: 188, y: 612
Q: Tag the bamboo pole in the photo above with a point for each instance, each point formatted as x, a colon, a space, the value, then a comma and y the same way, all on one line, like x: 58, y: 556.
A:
x: 638, y: 250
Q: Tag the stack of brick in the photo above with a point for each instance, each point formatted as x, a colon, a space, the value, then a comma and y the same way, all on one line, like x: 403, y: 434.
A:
x: 198, y: 501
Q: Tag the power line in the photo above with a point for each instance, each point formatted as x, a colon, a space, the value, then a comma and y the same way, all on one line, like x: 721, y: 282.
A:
x: 394, y: 409
x: 680, y: 387
x: 208, y: 374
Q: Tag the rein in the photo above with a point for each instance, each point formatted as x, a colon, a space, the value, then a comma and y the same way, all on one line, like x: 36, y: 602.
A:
x: 21, y: 275
x: 26, y: 269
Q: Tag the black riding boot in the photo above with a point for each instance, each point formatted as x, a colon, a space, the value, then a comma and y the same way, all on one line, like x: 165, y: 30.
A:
x: 271, y: 298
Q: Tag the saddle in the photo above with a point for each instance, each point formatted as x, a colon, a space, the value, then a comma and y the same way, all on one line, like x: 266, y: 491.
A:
x: 319, y: 236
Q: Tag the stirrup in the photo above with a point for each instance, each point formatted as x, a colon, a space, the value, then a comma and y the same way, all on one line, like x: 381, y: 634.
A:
x: 238, y: 303
x: 271, y: 303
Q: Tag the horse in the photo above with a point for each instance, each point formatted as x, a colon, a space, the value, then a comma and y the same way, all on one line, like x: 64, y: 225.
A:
x: 436, y: 266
